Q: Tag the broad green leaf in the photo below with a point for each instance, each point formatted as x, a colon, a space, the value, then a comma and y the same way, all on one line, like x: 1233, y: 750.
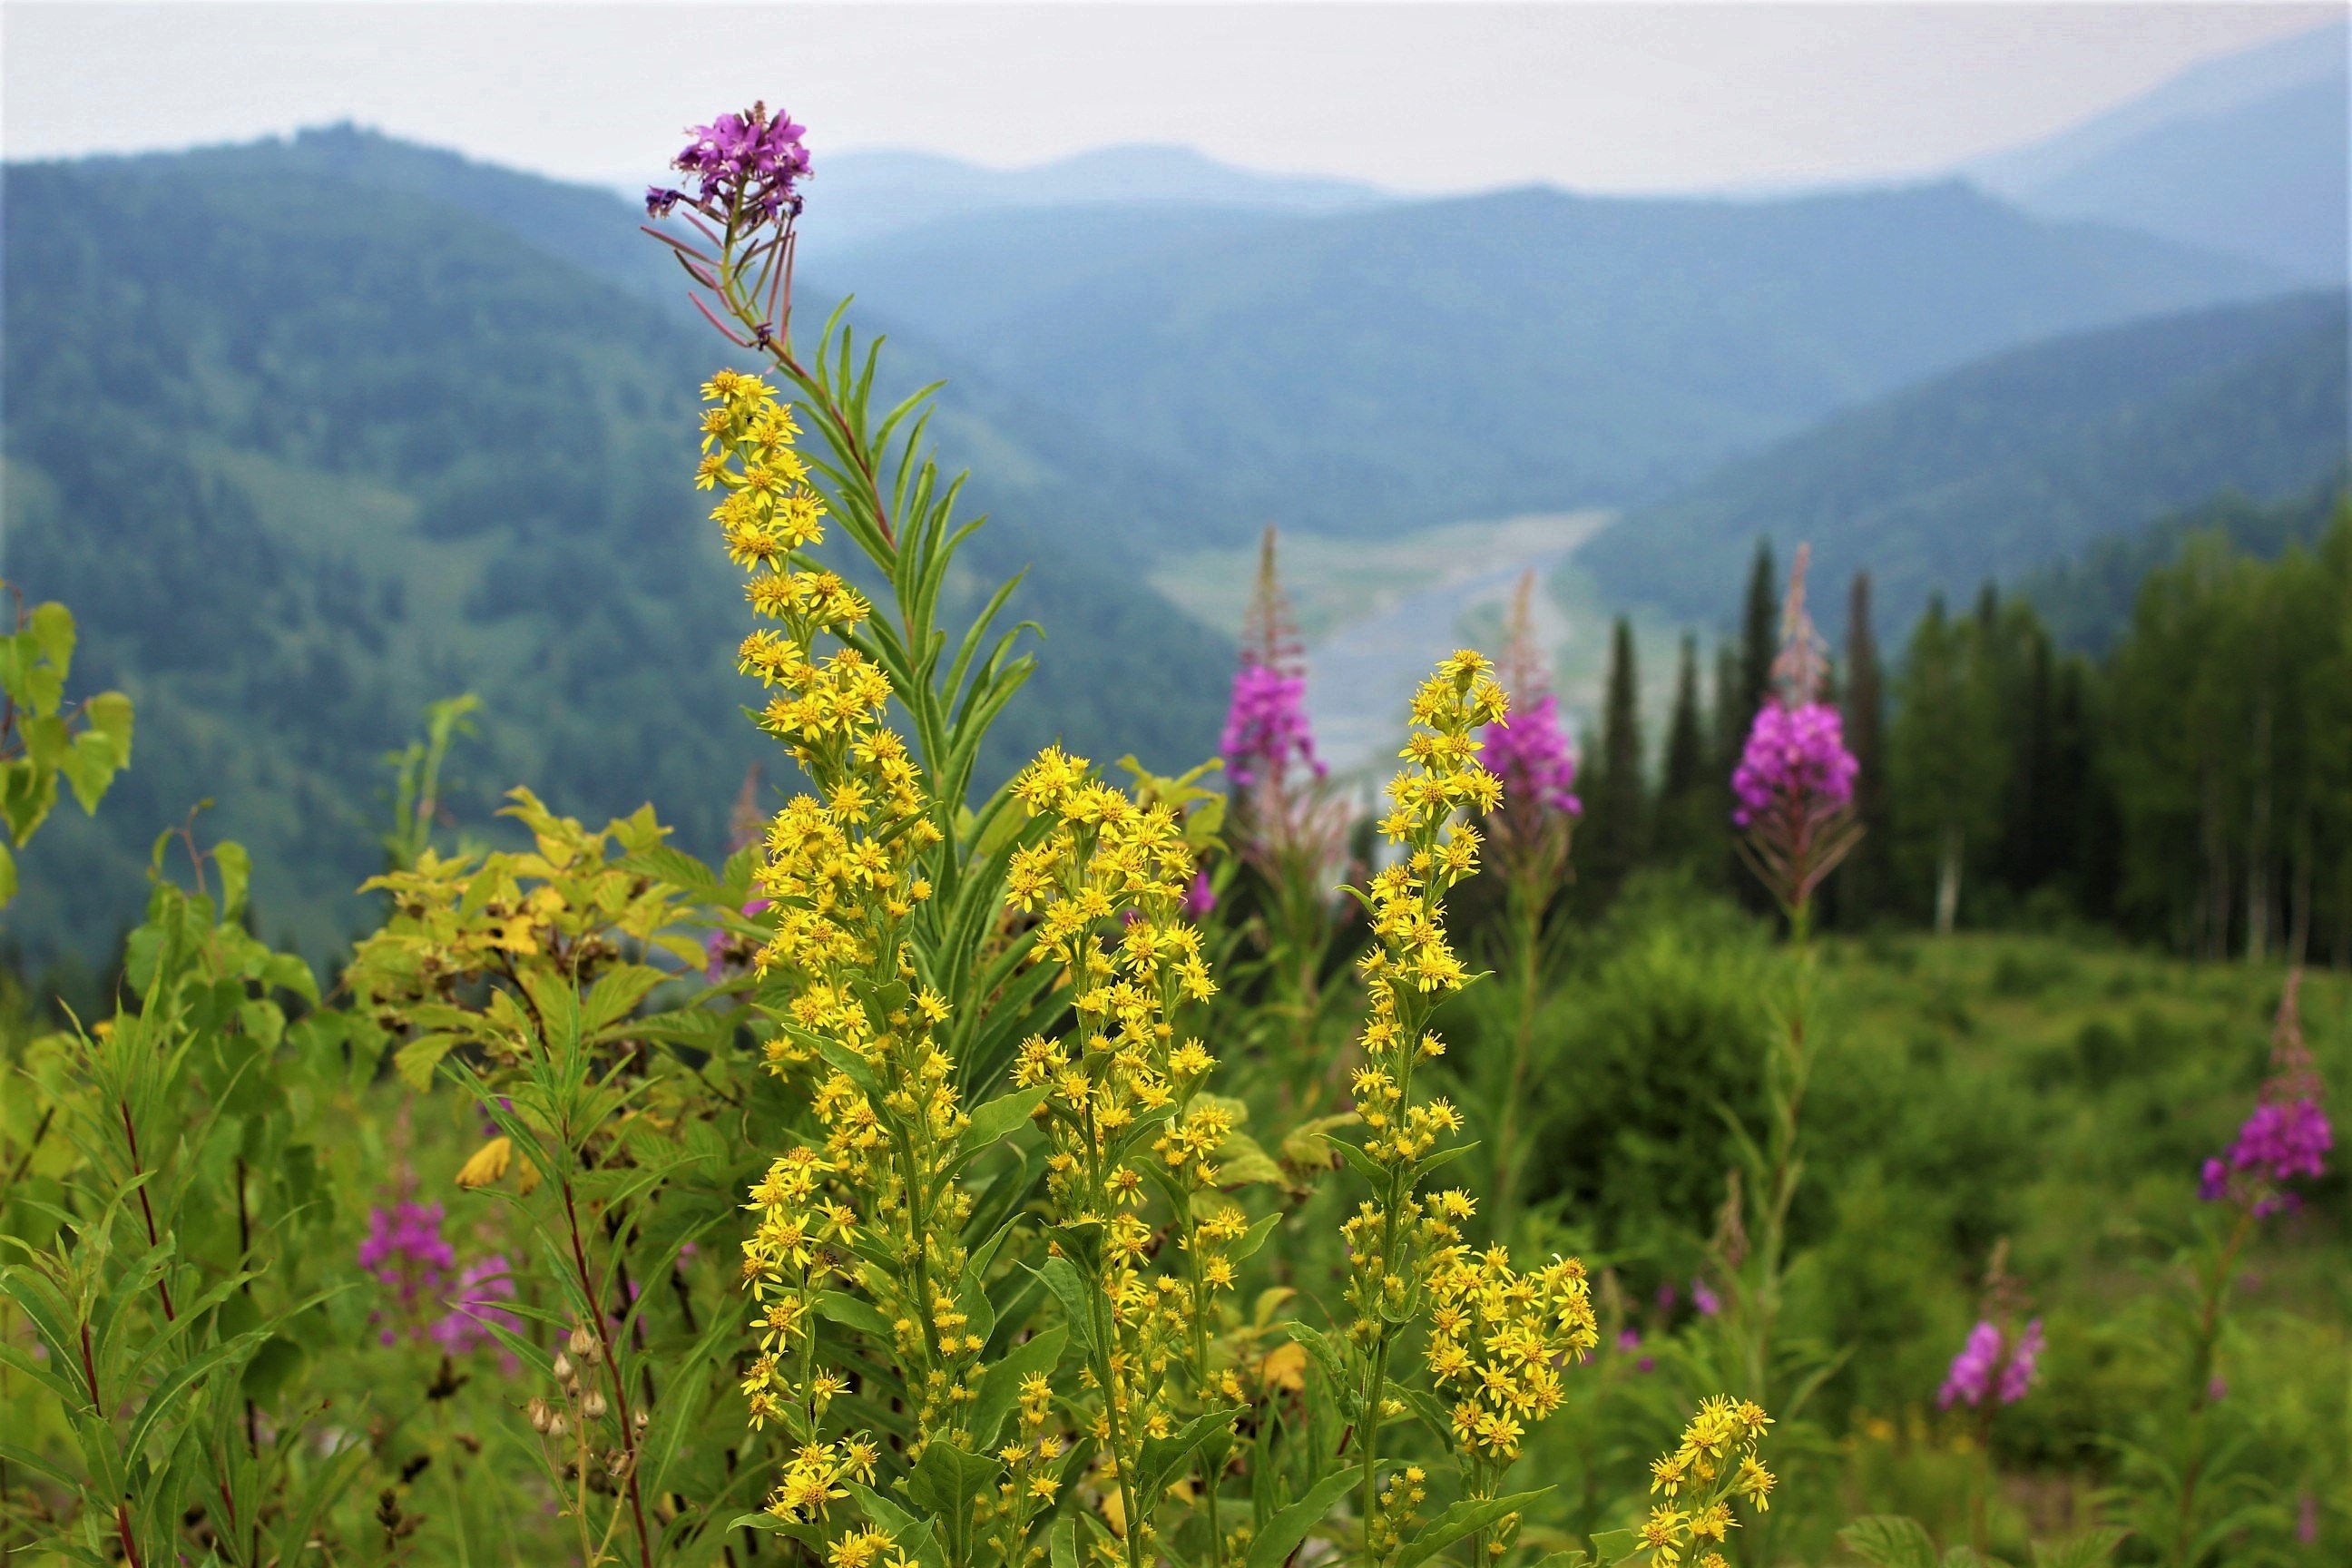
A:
x: 1884, y: 1540
x: 1285, y: 1532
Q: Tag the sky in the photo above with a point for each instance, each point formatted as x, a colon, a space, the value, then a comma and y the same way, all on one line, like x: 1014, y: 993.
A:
x: 1431, y: 97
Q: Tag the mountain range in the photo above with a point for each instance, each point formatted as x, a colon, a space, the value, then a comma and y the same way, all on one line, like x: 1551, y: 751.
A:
x: 312, y: 430
x: 2245, y: 154
x: 2017, y: 460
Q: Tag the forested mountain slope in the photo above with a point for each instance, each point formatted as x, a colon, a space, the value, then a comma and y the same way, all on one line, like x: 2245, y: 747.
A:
x: 2024, y: 458
x: 303, y: 453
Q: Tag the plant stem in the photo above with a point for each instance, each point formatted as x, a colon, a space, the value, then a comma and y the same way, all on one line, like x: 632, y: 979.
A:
x: 2201, y: 1378
x: 612, y: 1371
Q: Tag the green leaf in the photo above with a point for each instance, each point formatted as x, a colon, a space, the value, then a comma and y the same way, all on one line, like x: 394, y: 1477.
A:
x: 998, y: 1118
x: 416, y: 1060
x: 1063, y: 1543
x: 852, y: 1313
x: 1062, y: 1278
x: 1000, y: 1390
x: 1166, y: 1458
x: 2088, y: 1550
x: 946, y: 1483
x: 1285, y: 1532
x: 1884, y: 1540
x: 236, y: 876
x: 1614, y: 1546
x: 1465, y: 1517
x: 1242, y: 1161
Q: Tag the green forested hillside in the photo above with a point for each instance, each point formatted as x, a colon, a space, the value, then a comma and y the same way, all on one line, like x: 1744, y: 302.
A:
x: 2087, y: 600
x: 1426, y: 362
x: 303, y: 453
x: 2022, y: 460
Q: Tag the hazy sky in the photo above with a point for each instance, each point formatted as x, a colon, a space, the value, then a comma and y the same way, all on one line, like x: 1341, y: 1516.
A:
x: 1422, y: 97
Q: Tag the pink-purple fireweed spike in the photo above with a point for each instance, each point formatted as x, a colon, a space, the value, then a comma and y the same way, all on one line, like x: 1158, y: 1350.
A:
x: 1793, y: 787
x: 2288, y: 1137
x: 1992, y: 1364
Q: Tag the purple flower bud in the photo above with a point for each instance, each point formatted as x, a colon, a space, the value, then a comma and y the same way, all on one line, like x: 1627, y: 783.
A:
x: 1200, y: 897
x: 1707, y: 1302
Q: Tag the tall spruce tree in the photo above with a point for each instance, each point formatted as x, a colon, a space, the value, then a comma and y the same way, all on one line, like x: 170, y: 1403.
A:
x: 1616, y: 829
x: 1861, y: 890
x: 1759, y: 642
x: 1685, y: 791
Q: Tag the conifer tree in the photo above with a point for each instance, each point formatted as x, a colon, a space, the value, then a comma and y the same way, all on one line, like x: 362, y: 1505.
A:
x: 1759, y: 641
x: 1861, y: 890
x: 1616, y: 835
x: 1685, y: 791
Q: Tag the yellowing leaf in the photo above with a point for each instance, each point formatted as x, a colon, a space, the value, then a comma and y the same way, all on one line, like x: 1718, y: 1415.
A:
x: 1284, y: 1366
x: 487, y: 1164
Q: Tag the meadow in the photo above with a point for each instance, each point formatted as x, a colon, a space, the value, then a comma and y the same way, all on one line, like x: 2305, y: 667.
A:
x: 1095, y: 1165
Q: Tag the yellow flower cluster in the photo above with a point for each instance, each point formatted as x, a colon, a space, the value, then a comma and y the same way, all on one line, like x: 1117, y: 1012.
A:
x: 1106, y: 884
x: 1497, y: 1339
x: 1715, y: 1465
x: 1410, y: 968
x: 842, y: 869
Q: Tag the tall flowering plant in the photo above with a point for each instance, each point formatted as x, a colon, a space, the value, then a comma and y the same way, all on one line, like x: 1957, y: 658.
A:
x: 1794, y: 793
x: 1286, y: 822
x: 2244, y: 1190
x: 1530, y: 751
x: 1995, y: 1367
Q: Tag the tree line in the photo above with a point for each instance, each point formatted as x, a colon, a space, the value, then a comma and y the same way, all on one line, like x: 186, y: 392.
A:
x: 2191, y: 785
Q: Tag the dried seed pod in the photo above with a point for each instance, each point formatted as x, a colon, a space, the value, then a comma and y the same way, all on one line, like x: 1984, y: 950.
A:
x: 582, y: 1341
x: 643, y: 1421
x: 563, y: 1367
x: 541, y: 1416
x: 592, y: 1407
x: 558, y: 1424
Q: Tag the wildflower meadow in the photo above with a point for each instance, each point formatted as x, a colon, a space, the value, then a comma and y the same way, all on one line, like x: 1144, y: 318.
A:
x: 1091, y: 1165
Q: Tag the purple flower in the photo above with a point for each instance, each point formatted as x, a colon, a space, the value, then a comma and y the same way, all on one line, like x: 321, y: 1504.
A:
x: 749, y: 165
x: 2287, y: 1136
x: 406, y: 1252
x: 716, y: 945
x: 474, y: 1307
x: 1795, y: 761
x: 1990, y: 1363
x: 1200, y: 897
x: 1265, y: 726
x: 1707, y: 1302
x: 1971, y: 1371
x: 1667, y: 1298
x: 1531, y: 753
x: 2017, y: 1377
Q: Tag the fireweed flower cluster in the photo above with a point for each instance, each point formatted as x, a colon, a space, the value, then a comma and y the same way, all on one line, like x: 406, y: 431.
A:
x: 746, y: 165
x: 1714, y: 1465
x: 1287, y: 821
x: 429, y: 1297
x: 1992, y: 1364
x: 1793, y: 786
x: 2288, y: 1135
x: 1123, y: 1109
